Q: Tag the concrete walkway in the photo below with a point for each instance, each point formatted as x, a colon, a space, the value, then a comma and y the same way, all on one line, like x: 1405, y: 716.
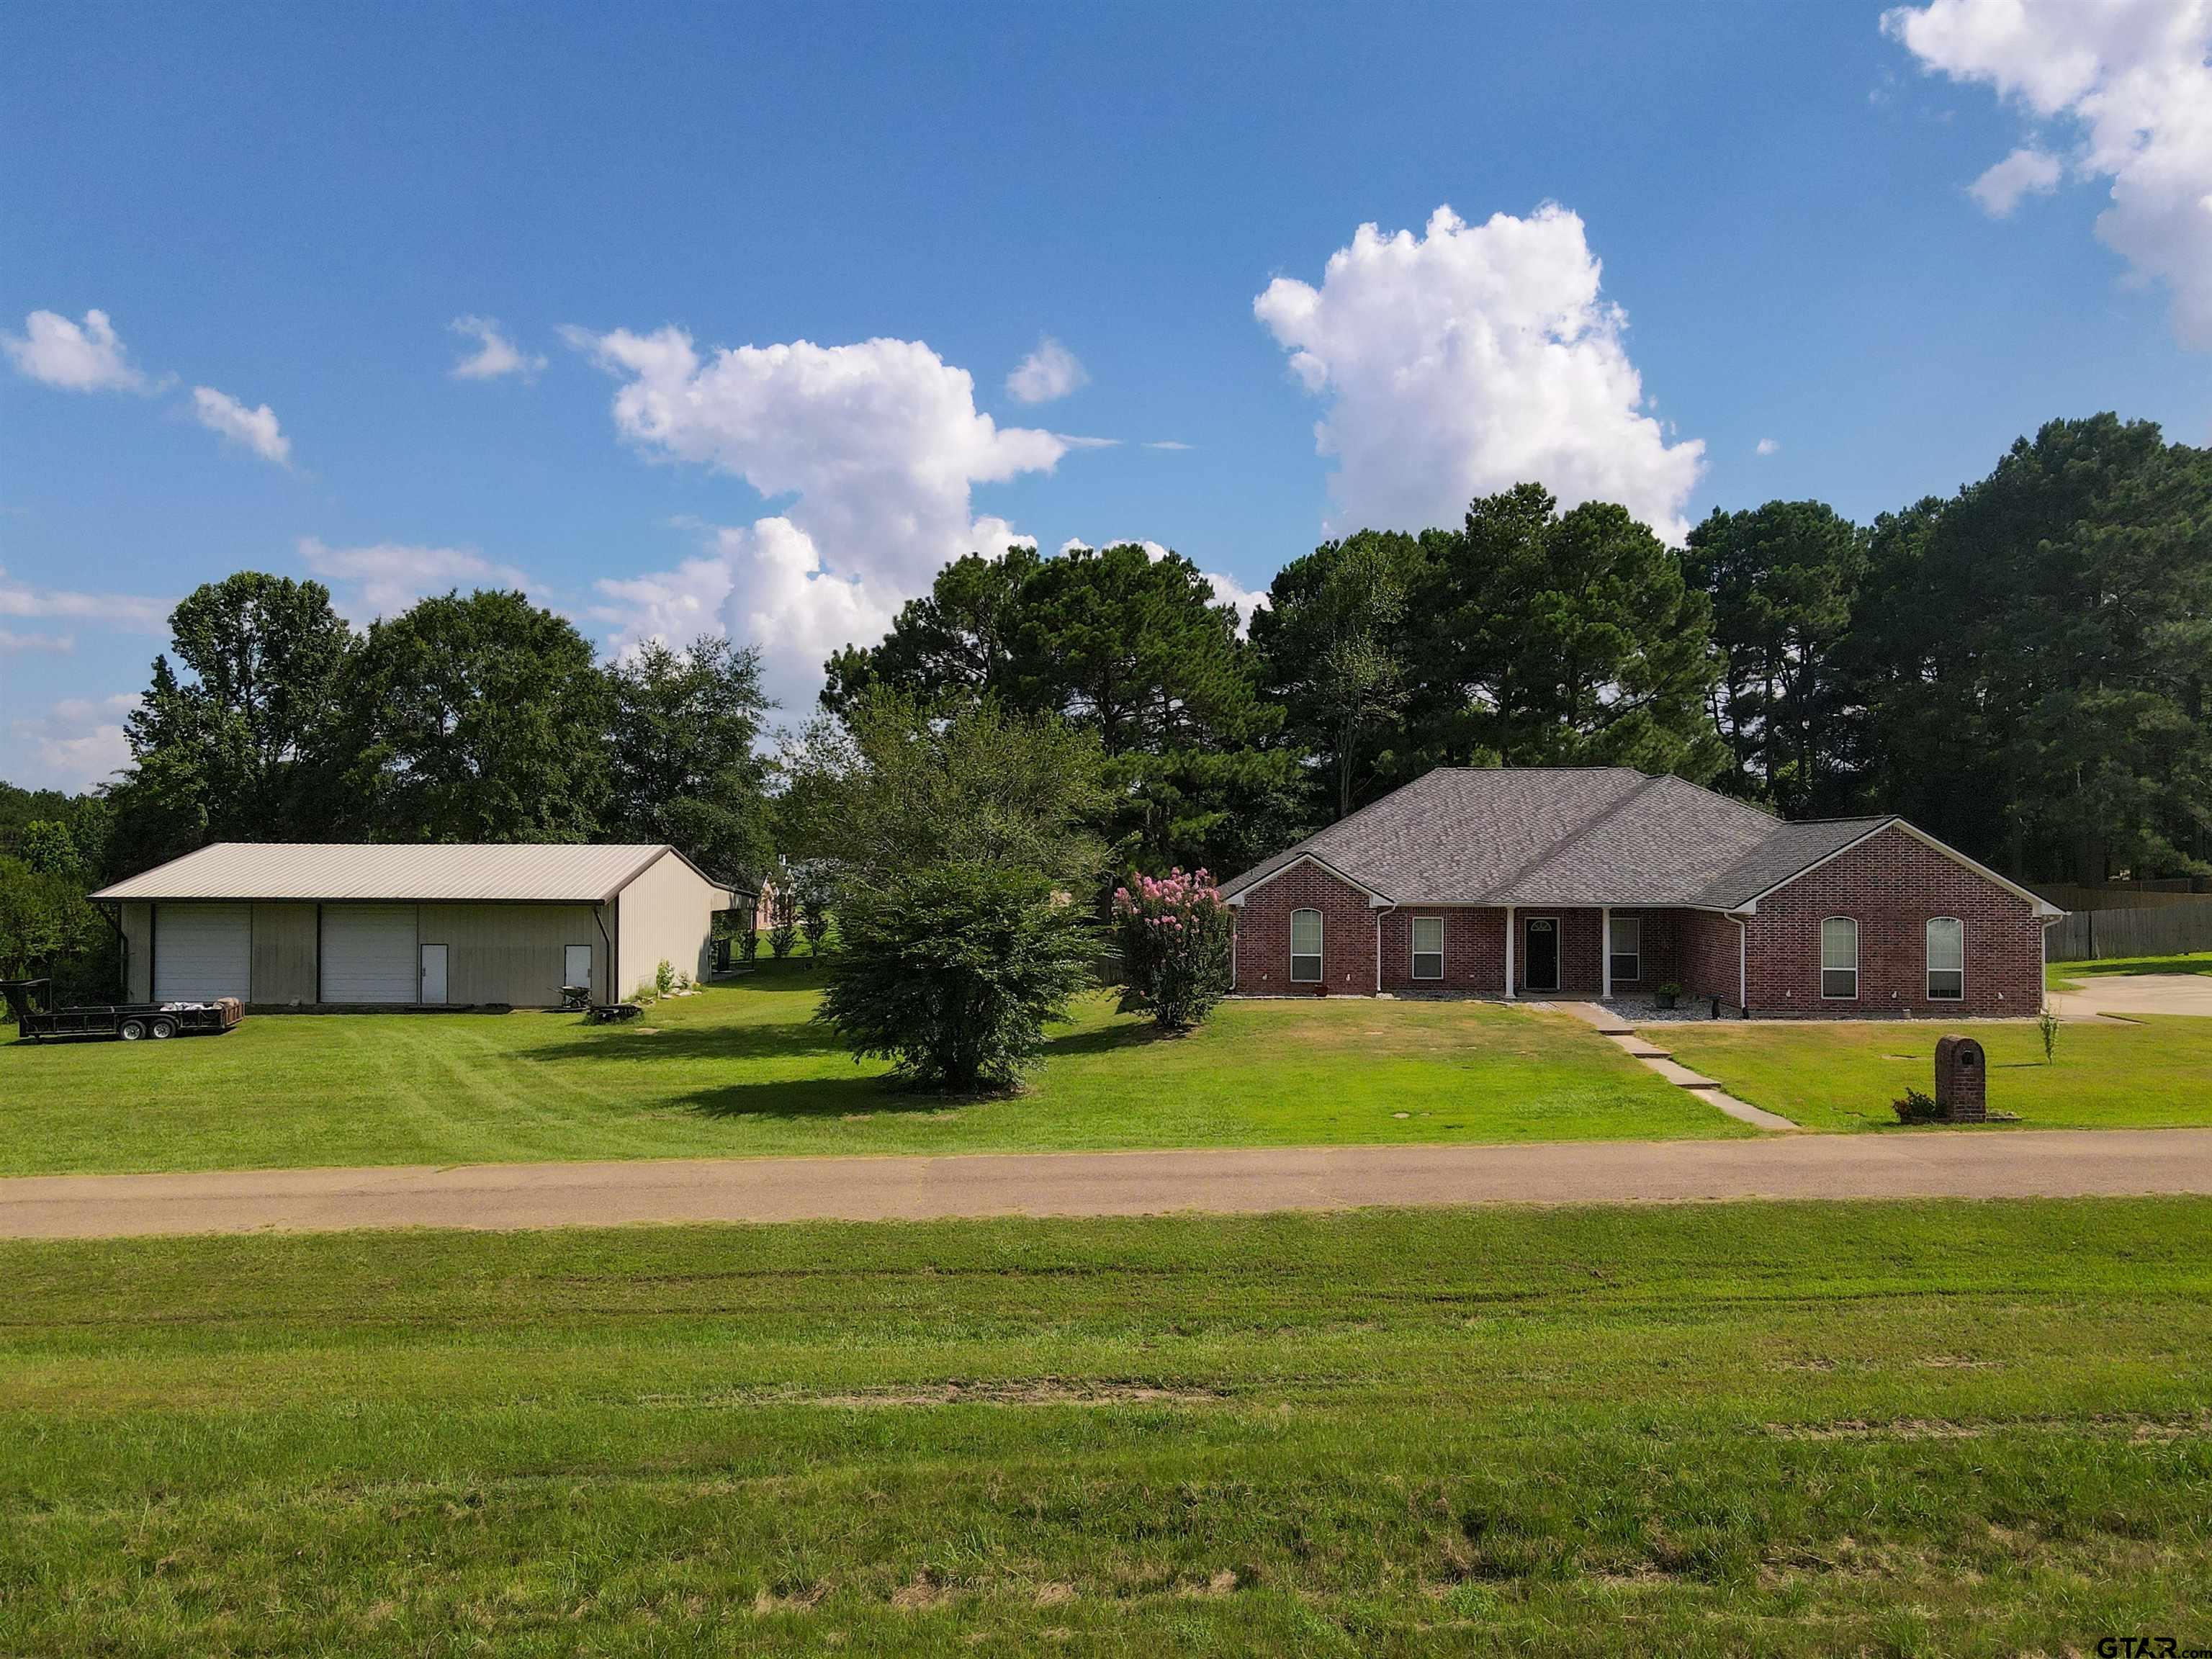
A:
x: 1989, y: 1163
x: 1625, y: 1038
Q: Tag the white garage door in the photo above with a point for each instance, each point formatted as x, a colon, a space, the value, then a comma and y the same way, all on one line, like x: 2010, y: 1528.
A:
x: 201, y: 951
x: 369, y: 953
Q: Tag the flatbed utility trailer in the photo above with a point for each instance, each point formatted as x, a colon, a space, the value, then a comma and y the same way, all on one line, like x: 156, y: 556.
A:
x: 32, y: 1001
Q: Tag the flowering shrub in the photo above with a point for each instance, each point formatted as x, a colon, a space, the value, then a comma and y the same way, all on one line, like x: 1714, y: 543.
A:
x: 1174, y: 932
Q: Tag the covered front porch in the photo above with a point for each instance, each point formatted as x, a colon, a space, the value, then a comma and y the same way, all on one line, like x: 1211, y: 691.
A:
x: 1574, y: 952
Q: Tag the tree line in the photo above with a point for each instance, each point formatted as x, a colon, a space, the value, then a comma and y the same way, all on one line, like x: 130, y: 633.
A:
x: 2020, y: 667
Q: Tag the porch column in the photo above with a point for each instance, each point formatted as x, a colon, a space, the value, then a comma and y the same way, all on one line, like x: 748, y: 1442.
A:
x: 1605, y: 952
x: 1509, y: 953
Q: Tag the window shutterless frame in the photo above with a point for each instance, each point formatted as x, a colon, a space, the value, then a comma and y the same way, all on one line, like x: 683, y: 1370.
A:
x: 1627, y: 959
x: 1306, y: 934
x: 1947, y: 959
x: 1839, y: 959
x: 1426, y: 938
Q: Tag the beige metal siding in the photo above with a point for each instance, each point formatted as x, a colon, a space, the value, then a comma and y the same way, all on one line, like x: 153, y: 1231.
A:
x: 137, y: 944
x: 283, y: 953
x: 512, y: 953
x: 666, y: 914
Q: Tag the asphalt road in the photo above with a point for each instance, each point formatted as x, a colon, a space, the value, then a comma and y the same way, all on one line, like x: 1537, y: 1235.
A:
x: 1984, y: 1162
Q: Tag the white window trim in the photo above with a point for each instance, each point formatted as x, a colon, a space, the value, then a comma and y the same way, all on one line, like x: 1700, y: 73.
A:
x: 1612, y: 922
x: 1928, y: 967
x: 1320, y: 957
x: 1413, y: 953
x: 1825, y: 970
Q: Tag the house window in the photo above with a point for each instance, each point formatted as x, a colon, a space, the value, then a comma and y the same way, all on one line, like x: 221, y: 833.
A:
x: 1428, y: 947
x: 1947, y: 959
x: 1305, y: 947
x: 1839, y: 959
x: 1626, y: 949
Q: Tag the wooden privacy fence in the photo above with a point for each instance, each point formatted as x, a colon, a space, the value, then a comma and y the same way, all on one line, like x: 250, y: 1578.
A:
x: 2123, y: 895
x: 2169, y: 929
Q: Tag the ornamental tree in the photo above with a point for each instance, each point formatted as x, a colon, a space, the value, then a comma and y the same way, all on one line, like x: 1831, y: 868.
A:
x: 1174, y: 933
x: 952, y: 972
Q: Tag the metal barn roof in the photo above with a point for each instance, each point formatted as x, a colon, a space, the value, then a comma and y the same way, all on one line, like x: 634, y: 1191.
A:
x: 302, y: 871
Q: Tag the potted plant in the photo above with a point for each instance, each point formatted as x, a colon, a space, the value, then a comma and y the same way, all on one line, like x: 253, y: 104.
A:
x: 1666, y: 993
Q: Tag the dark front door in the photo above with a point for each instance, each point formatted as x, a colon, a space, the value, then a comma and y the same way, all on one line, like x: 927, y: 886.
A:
x: 1543, y: 953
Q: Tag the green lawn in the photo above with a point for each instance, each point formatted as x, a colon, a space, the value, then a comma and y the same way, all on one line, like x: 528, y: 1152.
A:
x: 2066, y: 976
x: 1905, y: 1429
x: 1844, y: 1075
x: 740, y: 1070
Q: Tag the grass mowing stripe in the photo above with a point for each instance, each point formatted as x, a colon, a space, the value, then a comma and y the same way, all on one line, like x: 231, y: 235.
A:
x: 740, y: 1070
x: 1937, y: 1427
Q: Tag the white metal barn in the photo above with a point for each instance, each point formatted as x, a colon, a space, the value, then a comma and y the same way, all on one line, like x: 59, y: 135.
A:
x: 289, y: 925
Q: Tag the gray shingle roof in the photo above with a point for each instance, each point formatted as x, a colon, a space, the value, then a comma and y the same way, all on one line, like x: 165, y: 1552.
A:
x: 1565, y: 835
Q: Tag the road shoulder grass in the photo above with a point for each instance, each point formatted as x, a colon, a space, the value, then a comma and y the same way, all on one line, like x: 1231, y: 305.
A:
x: 2153, y: 1073
x: 740, y: 1070
x: 1956, y: 1428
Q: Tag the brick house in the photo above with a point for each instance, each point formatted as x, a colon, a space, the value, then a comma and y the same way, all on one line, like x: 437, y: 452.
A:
x: 1594, y: 881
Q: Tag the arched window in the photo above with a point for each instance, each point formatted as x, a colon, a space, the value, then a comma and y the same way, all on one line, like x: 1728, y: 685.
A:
x: 1839, y: 959
x: 1947, y: 959
x: 1305, y: 947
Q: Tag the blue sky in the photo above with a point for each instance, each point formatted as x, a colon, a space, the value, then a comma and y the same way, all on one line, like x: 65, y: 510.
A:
x: 290, y: 208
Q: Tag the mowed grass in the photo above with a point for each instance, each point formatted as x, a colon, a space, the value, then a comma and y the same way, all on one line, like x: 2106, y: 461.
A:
x: 2067, y: 975
x: 740, y: 1070
x: 2151, y: 1074
x: 1902, y: 1429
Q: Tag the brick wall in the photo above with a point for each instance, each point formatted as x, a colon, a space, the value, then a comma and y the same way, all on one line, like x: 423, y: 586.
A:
x: 1263, y: 934
x: 1706, y: 956
x: 1891, y: 885
x: 1474, y: 951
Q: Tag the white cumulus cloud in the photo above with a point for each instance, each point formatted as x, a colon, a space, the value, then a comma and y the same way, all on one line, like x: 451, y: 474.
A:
x: 384, y: 579
x: 1767, y: 447
x: 76, y: 743
x: 877, y: 444
x: 495, y: 355
x: 2132, y: 79
x: 1049, y: 372
x: 2024, y: 173
x: 83, y: 357
x: 255, y: 429
x: 1470, y: 358
x: 133, y: 613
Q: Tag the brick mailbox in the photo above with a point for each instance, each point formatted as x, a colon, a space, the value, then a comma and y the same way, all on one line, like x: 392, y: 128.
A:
x: 1962, y: 1080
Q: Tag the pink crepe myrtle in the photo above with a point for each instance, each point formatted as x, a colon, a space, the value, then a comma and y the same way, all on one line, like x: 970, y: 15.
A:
x: 1174, y: 932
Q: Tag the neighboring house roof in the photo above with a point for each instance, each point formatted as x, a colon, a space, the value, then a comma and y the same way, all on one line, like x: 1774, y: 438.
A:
x: 1569, y: 836
x: 298, y: 871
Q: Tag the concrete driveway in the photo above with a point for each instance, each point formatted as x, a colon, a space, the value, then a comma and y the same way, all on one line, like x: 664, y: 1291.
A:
x: 2135, y: 994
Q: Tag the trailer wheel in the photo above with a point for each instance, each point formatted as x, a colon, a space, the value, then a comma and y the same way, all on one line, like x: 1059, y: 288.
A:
x: 131, y: 1029
x: 162, y: 1028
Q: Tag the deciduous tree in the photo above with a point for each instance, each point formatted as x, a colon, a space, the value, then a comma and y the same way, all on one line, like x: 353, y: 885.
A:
x: 478, y: 718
